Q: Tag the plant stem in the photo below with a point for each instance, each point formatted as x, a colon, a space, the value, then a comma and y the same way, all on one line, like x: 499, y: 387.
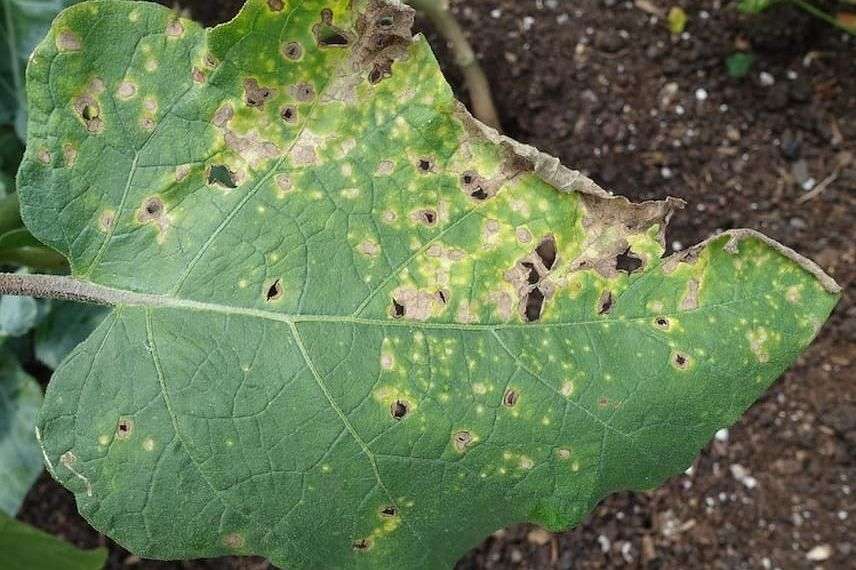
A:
x: 474, y: 77
x: 61, y: 287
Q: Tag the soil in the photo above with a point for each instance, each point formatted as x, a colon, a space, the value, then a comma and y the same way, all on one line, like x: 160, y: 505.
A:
x: 604, y: 86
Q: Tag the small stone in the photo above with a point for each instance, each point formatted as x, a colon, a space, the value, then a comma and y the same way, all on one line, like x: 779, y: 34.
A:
x: 609, y: 41
x: 766, y: 79
x: 722, y: 435
x: 819, y: 553
x: 539, y: 536
x: 701, y: 94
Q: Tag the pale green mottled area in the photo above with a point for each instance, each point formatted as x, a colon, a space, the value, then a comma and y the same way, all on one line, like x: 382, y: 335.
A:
x: 20, y: 458
x: 289, y: 207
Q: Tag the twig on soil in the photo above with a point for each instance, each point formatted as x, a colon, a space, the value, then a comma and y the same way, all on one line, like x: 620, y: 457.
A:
x: 483, y: 107
x: 844, y: 159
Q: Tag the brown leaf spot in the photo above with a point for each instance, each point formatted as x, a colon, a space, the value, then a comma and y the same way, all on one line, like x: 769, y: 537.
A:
x: 126, y: 90
x: 255, y: 95
x: 174, y: 29
x: 362, y: 545
x: 274, y: 292
x: 234, y: 541
x: 462, y: 440
x: 69, y: 153
x: 223, y: 115
x: 690, y: 299
x: 424, y: 216
x: 197, y: 75
x: 680, y: 360
x: 89, y: 112
x: 398, y: 409
x: 288, y: 114
x: 292, y: 51
x: 275, y: 5
x: 44, y: 156
x: 509, y: 400
x: 67, y: 40
x: 303, y: 92
x: 106, y: 221
x: 605, y: 304
x: 124, y: 428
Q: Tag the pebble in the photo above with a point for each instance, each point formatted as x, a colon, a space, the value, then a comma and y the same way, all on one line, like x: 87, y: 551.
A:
x: 495, y: 13
x: 819, y: 553
x: 701, y: 94
x: 722, y: 435
x: 539, y: 536
x: 766, y: 79
x: 742, y: 475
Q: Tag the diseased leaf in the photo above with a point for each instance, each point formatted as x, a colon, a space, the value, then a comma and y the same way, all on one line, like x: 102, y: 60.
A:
x: 352, y: 326
x: 66, y: 326
x: 23, y: 547
x: 23, y: 24
x: 20, y: 457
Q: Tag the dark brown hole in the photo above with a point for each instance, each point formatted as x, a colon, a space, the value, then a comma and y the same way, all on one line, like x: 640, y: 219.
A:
x: 329, y: 36
x: 362, y: 544
x: 534, y: 303
x: 510, y: 399
x: 154, y: 207
x: 546, y: 250
x: 462, y: 440
x: 680, y: 360
x: 398, y: 409
x: 662, y: 322
x: 429, y: 217
x: 389, y: 511
x: 220, y: 174
x: 467, y: 178
x: 534, y: 277
x: 442, y: 296
x: 293, y: 50
x: 375, y: 75
x: 305, y: 92
x: 627, y: 262
x: 124, y: 427
x: 274, y: 292
x: 479, y: 194
x: 397, y: 309
x: 90, y: 112
x: 289, y: 114
x: 327, y: 16
x: 606, y: 302
x: 424, y: 165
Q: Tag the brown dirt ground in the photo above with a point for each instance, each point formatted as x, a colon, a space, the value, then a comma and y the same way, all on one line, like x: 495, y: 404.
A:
x: 603, y: 85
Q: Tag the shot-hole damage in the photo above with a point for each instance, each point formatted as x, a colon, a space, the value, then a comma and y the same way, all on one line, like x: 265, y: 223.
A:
x: 292, y: 51
x: 288, y: 114
x: 274, y: 291
x: 256, y: 95
x: 221, y: 175
x: 124, y: 428
x: 477, y: 187
x: 546, y: 251
x: 533, y: 277
x: 303, y: 92
x: 398, y: 409
x: 397, y: 310
x: 628, y: 262
x: 425, y: 165
x: 662, y: 323
x: 534, y: 305
x: 89, y: 112
x: 362, y: 544
x: 442, y: 296
x: 605, y: 303
x: 152, y: 209
x: 425, y: 216
x: 510, y: 398
x: 680, y: 360
x: 462, y: 440
x: 388, y: 511
x: 328, y: 35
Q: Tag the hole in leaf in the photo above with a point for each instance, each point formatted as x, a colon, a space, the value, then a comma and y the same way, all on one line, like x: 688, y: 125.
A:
x: 328, y: 35
x: 467, y: 178
x: 462, y: 440
x: 289, y: 114
x: 362, y: 544
x: 274, y: 292
x: 154, y: 207
x: 605, y: 303
x: 255, y: 95
x: 442, y: 296
x: 90, y: 112
x: 388, y: 511
x: 397, y: 309
x: 124, y: 427
x: 662, y: 322
x: 385, y: 22
x: 399, y: 409
x: 220, y: 174
x: 627, y: 262
x: 427, y: 217
x: 534, y: 304
x: 425, y: 165
x: 304, y: 92
x: 680, y: 360
x: 546, y: 250
x: 292, y: 51
x: 480, y: 194
x: 534, y: 277
x: 510, y: 399
x: 376, y: 75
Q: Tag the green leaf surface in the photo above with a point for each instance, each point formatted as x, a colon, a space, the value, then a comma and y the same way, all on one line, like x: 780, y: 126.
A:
x: 66, y: 326
x: 23, y: 24
x: 353, y: 328
x: 23, y: 547
x: 20, y: 457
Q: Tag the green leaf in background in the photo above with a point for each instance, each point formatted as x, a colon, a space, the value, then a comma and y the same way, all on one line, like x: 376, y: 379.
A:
x: 754, y: 6
x: 66, y: 326
x: 353, y: 328
x: 23, y: 24
x: 20, y: 457
x: 18, y: 315
x: 677, y: 20
x: 23, y: 547
x: 739, y: 64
